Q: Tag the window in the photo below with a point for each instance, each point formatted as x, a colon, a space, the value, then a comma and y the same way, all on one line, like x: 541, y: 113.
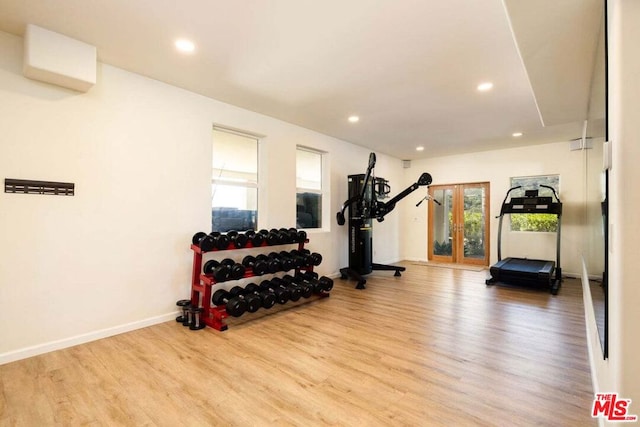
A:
x: 535, y: 222
x: 234, y: 181
x: 309, y: 190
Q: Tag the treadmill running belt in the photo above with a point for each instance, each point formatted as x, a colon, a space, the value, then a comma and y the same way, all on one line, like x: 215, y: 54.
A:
x: 525, y: 265
x: 523, y: 271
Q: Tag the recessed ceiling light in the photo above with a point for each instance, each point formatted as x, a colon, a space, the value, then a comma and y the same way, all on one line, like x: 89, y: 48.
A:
x: 184, y: 45
x: 354, y: 119
x: 420, y: 148
x: 483, y: 87
x: 516, y: 134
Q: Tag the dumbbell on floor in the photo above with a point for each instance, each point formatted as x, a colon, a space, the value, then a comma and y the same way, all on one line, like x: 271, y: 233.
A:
x: 268, y: 298
x: 233, y: 305
x: 253, y: 301
x: 195, y: 320
x: 184, y: 305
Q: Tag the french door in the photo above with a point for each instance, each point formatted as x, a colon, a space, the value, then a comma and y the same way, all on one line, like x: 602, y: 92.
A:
x: 459, y: 223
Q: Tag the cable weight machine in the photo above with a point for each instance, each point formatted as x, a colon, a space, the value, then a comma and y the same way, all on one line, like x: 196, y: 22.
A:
x: 363, y: 205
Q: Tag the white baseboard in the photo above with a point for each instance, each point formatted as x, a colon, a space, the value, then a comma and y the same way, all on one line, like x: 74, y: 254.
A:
x: 416, y: 259
x: 35, y: 350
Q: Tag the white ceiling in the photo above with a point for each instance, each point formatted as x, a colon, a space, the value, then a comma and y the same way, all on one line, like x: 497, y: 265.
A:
x: 408, y: 68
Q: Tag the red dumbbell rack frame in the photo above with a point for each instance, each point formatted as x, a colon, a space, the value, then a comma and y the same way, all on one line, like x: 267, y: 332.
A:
x: 201, y: 284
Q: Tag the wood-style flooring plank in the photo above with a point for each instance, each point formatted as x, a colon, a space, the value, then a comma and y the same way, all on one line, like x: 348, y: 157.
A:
x: 433, y: 347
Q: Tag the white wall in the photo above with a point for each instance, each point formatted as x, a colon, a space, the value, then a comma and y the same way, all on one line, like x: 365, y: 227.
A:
x: 496, y: 167
x: 621, y: 372
x: 116, y: 255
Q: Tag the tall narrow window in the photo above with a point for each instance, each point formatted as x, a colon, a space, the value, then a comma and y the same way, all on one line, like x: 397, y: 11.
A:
x: 535, y: 222
x: 309, y: 191
x: 234, y: 181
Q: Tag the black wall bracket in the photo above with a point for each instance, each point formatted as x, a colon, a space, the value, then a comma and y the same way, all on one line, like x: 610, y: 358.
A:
x: 26, y: 186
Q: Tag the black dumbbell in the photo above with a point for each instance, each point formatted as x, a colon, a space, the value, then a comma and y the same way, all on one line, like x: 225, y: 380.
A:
x: 238, y: 240
x: 268, y: 298
x: 282, y: 295
x: 219, y: 271
x: 213, y: 241
x: 295, y: 256
x: 221, y: 240
x: 195, y: 321
x: 323, y: 284
x: 295, y: 290
x: 273, y: 265
x: 184, y: 305
x: 198, y: 237
x: 235, y: 306
x: 258, y: 267
x: 270, y: 238
x: 314, y: 257
x: 236, y: 270
x: 286, y: 263
x: 290, y: 235
x: 207, y: 243
x: 306, y: 289
x: 254, y: 302
x: 311, y: 277
x: 256, y: 239
x: 301, y: 235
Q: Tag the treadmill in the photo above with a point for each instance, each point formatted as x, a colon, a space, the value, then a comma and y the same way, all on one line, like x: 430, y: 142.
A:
x: 524, y: 271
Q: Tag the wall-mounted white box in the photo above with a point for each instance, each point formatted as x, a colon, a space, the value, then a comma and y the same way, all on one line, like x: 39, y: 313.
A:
x: 55, y: 58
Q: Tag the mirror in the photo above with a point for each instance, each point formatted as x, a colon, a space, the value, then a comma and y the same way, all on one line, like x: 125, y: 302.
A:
x: 596, y: 186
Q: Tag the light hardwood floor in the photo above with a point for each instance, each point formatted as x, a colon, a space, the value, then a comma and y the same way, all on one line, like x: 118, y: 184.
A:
x: 433, y: 347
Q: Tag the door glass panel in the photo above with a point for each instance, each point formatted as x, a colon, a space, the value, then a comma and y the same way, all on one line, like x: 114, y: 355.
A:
x: 474, y: 222
x: 443, y: 222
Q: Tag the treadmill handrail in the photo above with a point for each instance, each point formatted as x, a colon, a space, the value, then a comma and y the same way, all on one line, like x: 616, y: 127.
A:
x: 504, y: 202
x: 553, y: 190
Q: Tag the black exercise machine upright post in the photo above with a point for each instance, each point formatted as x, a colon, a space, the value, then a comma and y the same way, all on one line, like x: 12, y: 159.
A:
x: 363, y: 206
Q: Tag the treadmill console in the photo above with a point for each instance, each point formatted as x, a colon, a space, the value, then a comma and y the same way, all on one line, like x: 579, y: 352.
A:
x: 531, y: 203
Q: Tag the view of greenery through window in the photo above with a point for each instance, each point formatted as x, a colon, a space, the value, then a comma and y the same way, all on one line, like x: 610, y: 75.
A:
x: 474, y: 221
x: 535, y: 222
x: 474, y: 224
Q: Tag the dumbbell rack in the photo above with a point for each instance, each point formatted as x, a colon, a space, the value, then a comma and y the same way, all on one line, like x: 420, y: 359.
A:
x: 201, y: 284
